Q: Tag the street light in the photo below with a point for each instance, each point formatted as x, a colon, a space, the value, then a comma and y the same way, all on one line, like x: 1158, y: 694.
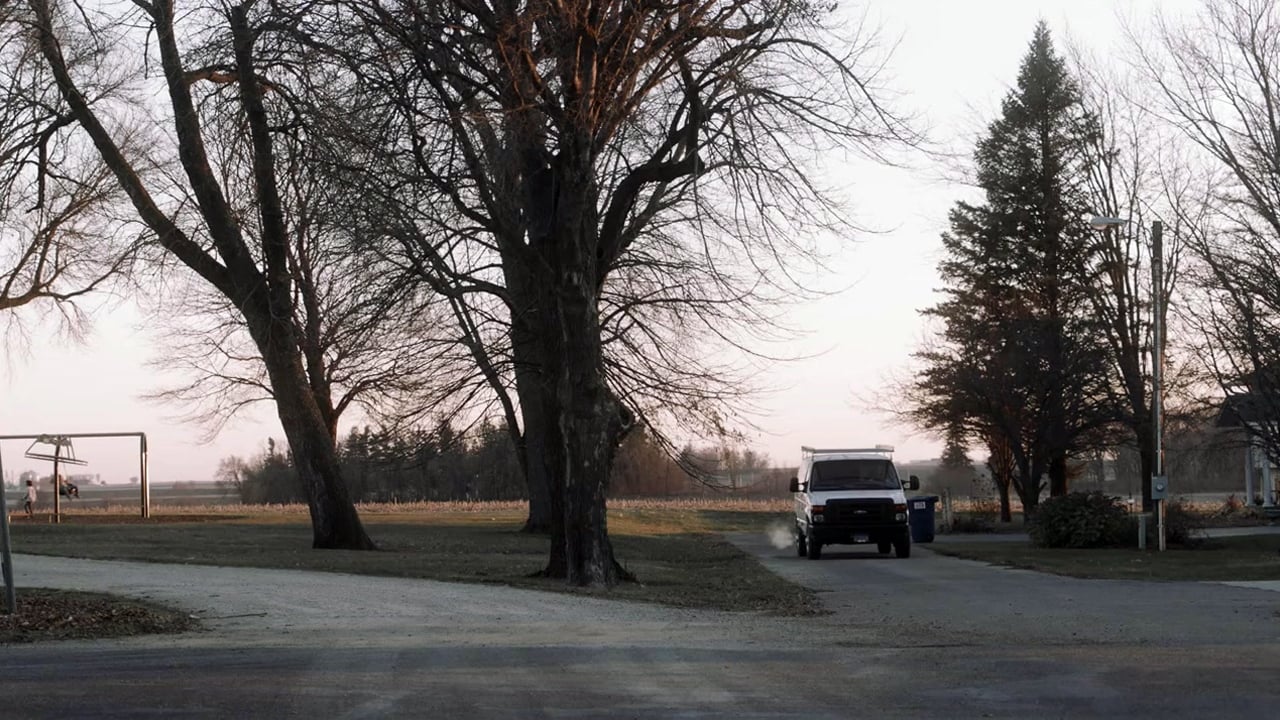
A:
x: 1159, y: 483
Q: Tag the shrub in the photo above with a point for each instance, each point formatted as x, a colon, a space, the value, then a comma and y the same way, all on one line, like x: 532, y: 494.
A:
x: 1182, y: 526
x: 973, y: 523
x: 1080, y: 520
x: 979, y: 516
x: 1231, y: 506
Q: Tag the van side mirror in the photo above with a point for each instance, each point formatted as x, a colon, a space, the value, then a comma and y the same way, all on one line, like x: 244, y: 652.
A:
x: 913, y: 483
x: 795, y: 485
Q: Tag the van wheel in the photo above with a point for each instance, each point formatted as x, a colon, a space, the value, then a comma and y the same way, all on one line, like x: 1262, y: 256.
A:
x: 902, y: 546
x: 802, y: 545
x: 815, y: 549
x: 883, y: 546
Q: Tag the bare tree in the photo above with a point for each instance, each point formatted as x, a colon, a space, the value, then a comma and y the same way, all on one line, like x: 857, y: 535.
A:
x: 369, y: 336
x: 567, y: 138
x: 1219, y: 82
x: 1134, y: 168
x: 209, y: 237
x: 59, y: 240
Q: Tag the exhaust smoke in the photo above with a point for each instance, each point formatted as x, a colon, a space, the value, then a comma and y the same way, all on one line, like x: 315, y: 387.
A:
x: 779, y: 534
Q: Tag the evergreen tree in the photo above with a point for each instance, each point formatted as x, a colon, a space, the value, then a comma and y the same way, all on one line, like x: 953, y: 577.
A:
x: 1020, y: 355
x: 955, y: 453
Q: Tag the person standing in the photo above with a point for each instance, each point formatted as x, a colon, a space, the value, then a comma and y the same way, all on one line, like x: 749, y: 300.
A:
x: 30, y: 504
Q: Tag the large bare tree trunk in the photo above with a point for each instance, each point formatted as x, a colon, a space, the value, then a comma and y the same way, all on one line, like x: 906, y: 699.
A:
x: 1058, y: 481
x: 568, y: 446
x: 1002, y: 468
x: 534, y: 389
x: 550, y: 457
x: 537, y: 476
x: 535, y: 386
x: 587, y: 435
x: 589, y: 421
x: 1027, y: 484
x: 334, y: 522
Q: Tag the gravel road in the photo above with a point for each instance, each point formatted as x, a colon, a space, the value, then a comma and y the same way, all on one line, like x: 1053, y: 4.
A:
x: 929, y: 637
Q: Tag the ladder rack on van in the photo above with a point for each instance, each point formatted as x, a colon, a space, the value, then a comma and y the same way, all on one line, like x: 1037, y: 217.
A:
x: 806, y: 451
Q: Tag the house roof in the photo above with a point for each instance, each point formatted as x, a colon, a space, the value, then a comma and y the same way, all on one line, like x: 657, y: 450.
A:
x: 1248, y: 409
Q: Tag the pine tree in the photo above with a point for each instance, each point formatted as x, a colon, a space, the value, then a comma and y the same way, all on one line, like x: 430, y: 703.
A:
x: 1020, y: 355
x: 955, y: 453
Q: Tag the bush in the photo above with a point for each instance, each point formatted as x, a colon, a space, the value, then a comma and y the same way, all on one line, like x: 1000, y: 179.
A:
x: 1080, y: 520
x: 979, y: 517
x: 1231, y: 506
x: 973, y: 523
x: 1182, y: 527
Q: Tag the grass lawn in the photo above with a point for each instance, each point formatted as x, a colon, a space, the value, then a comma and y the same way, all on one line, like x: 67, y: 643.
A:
x: 1250, y: 557
x: 673, y: 550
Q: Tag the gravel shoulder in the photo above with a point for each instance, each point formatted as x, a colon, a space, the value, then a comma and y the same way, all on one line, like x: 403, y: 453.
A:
x: 252, y: 606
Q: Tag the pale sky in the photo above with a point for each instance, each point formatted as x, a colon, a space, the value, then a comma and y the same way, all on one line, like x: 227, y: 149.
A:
x: 954, y: 61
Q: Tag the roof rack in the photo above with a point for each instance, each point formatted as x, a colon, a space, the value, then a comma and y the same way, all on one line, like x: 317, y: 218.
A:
x: 805, y: 450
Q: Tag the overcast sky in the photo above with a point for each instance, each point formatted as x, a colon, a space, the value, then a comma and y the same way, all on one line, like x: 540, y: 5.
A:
x: 953, y: 62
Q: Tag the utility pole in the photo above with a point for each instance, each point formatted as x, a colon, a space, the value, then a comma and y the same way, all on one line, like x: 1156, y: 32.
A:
x: 1159, y: 484
x: 6, y: 554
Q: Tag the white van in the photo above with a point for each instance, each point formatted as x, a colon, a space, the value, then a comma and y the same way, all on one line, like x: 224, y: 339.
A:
x: 851, y: 496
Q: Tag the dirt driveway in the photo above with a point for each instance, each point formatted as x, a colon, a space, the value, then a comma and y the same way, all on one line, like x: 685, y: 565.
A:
x: 926, y: 637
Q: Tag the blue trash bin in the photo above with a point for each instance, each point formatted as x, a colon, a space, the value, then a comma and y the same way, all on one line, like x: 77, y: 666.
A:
x: 920, y: 510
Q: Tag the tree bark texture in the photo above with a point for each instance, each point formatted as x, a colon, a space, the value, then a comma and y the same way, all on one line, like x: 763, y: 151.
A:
x: 1058, y: 482
x: 588, y: 419
x: 1027, y: 482
x: 1002, y: 468
x: 587, y: 434
x: 535, y: 389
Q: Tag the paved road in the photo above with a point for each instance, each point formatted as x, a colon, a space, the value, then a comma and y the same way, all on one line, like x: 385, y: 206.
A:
x: 959, y: 602
x: 928, y: 637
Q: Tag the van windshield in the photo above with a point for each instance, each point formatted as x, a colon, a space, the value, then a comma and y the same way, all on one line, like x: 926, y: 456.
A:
x: 868, y: 474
